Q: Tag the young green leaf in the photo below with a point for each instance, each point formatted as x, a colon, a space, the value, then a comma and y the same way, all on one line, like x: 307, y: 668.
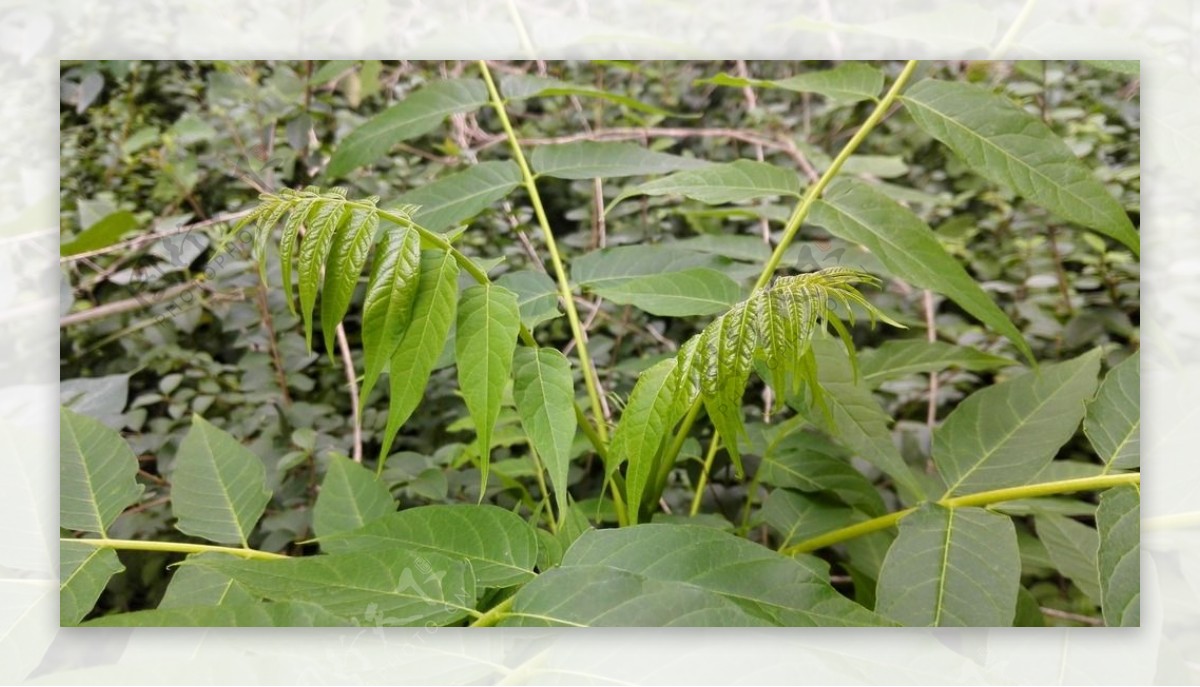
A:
x: 645, y: 422
x: 346, y: 261
x: 1113, y: 419
x: 593, y: 159
x: 432, y: 314
x: 84, y: 571
x: 267, y: 216
x: 416, y: 114
x: 218, y: 487
x: 314, y: 249
x: 499, y: 545
x: 388, y: 305
x: 951, y: 567
x: 544, y: 392
x: 908, y: 248
x: 728, y: 352
x: 192, y: 585
x: 1073, y: 548
x: 97, y: 474
x: 1004, y: 434
x: 287, y: 244
x: 716, y: 184
x: 1118, y: 520
x: 350, y: 497
x: 1013, y: 148
x: 460, y: 196
x: 845, y: 84
x: 693, y: 291
x: 902, y: 357
x: 270, y: 614
x: 488, y: 321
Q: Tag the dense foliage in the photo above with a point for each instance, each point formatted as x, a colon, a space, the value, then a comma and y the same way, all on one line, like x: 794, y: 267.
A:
x: 600, y: 343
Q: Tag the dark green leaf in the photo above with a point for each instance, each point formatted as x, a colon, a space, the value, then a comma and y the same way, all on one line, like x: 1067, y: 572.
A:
x: 522, y: 86
x: 645, y: 423
x: 102, y: 234
x: 1073, y: 548
x: 903, y: 357
x: 591, y: 159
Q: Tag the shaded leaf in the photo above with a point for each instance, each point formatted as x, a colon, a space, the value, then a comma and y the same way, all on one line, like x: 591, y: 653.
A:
x: 1118, y: 521
x: 458, y: 197
x: 611, y: 267
x: 846, y: 84
x: 808, y: 462
x: 692, y: 291
x: 903, y: 357
x: 715, y: 184
x: 537, y: 295
x: 644, y: 425
x: 350, y: 497
x: 797, y: 517
x: 1073, y: 548
x: 592, y: 159
x: 97, y: 474
x: 522, y: 86
x: 1113, y: 419
x: 218, y: 487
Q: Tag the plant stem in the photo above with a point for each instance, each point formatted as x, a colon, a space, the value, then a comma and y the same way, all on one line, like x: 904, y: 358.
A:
x: 176, y: 547
x: 703, y: 481
x: 495, y: 614
x: 564, y: 284
x: 983, y: 498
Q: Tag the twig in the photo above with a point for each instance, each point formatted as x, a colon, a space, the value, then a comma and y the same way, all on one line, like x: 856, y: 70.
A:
x: 1064, y: 615
x: 276, y: 359
x: 144, y: 239
x: 117, y: 307
x: 352, y: 381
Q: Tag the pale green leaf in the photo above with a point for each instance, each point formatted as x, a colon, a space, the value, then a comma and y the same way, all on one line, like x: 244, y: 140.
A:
x: 1073, y: 547
x: 600, y: 596
x: 715, y: 184
x: 693, y: 291
x: 1013, y: 148
x: 908, y: 248
x: 270, y: 614
x: 1004, y: 434
x: 951, y: 567
x: 97, y: 474
x: 645, y: 423
x: 488, y: 322
x: 783, y: 591
x: 537, y: 295
x: 522, y: 86
x: 846, y: 84
x: 1113, y: 419
x: 350, y: 497
x: 610, y: 267
x: 418, y: 113
x: 314, y: 250
x: 218, y: 487
x: 1118, y: 521
x: 902, y: 357
x: 432, y: 314
x: 500, y: 547
x: 591, y: 159
x: 192, y: 585
x: 388, y: 305
x: 460, y: 196
x: 84, y: 571
x: 346, y: 261
x: 544, y: 392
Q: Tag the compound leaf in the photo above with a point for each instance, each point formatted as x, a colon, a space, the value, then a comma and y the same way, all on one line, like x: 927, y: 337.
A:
x: 388, y: 305
x: 218, y: 487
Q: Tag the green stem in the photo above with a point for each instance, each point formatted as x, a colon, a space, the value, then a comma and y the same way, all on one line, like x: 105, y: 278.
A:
x: 703, y: 481
x: 176, y: 547
x: 495, y: 614
x: 983, y: 498
x: 564, y: 284
x: 541, y: 480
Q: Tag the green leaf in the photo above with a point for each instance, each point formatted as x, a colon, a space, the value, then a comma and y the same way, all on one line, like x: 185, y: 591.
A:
x: 388, y: 305
x: 600, y: 596
x: 407, y: 588
x: 611, y: 267
x: 488, y: 322
x: 271, y: 614
x: 349, y: 255
x: 287, y: 244
x: 1004, y: 434
x: 908, y: 248
x: 780, y: 590
x: 858, y: 421
x: 544, y: 392
x: 1029, y: 613
x: 97, y: 474
x: 432, y: 314
x: 84, y: 571
x: 102, y: 234
x: 537, y: 295
x: 1113, y: 419
x: 902, y: 357
x: 314, y: 249
x: 330, y: 70
x: 715, y: 184
x: 951, y: 567
x: 591, y: 159
x: 192, y: 585
x: 808, y: 462
x: 218, y: 487
x: 418, y: 113
x: 727, y: 349
x: 1127, y: 67
x: 350, y: 497
x: 1118, y: 519
x: 845, y: 84
x: 460, y: 196
x: 499, y: 546
x: 1073, y: 548
x: 522, y: 86
x: 693, y: 291
x: 644, y: 425
x: 797, y: 517
x: 1015, y: 149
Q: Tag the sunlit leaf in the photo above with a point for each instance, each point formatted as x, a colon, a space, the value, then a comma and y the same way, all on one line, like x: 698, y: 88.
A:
x: 218, y: 487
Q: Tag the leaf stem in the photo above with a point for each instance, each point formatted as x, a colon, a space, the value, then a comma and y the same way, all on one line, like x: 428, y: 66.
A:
x: 495, y: 614
x: 703, y: 481
x: 983, y: 498
x: 564, y: 284
x: 175, y: 547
